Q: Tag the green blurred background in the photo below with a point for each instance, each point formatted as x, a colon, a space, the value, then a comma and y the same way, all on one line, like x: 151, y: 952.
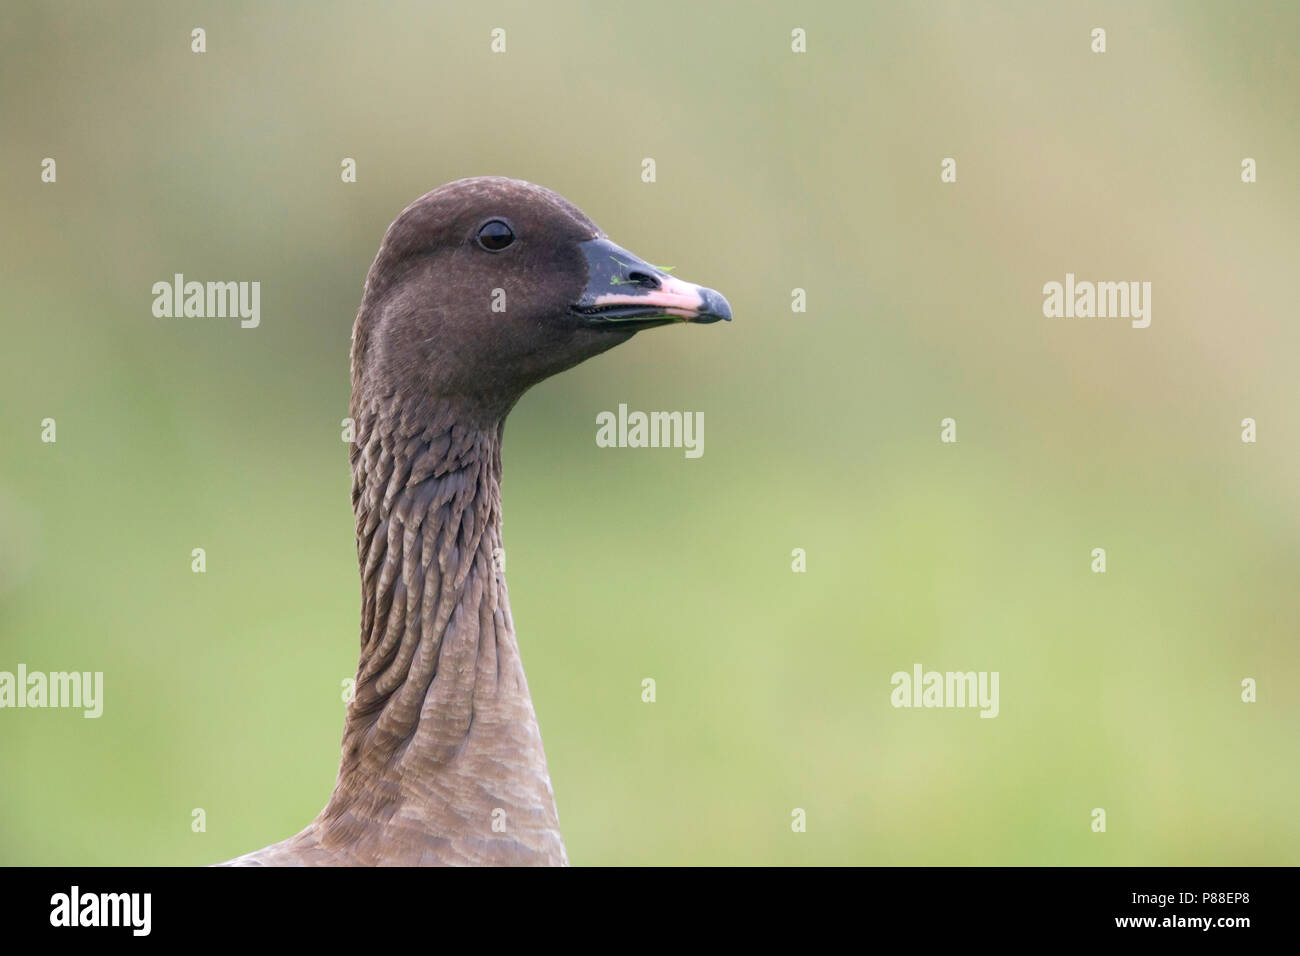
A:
x: 775, y: 171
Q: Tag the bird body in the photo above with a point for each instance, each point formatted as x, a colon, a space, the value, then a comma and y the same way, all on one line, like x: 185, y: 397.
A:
x: 442, y: 757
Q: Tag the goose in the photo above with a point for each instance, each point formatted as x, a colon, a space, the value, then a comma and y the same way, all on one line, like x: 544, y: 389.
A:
x: 481, y: 288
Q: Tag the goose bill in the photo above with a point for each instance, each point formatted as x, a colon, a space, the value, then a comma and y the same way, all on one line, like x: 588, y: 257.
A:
x: 625, y: 292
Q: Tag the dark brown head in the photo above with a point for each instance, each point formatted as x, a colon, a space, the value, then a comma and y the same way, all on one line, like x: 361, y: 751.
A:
x: 484, y: 287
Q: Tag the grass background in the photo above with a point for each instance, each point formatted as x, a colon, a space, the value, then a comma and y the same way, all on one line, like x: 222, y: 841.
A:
x: 775, y: 171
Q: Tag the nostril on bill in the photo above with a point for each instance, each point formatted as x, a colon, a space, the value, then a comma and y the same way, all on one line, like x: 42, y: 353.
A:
x: 643, y: 279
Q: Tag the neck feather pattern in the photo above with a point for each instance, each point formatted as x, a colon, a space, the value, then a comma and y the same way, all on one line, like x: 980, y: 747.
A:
x: 442, y: 757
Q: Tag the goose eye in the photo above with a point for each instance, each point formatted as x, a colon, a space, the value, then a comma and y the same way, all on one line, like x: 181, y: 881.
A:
x: 495, y: 235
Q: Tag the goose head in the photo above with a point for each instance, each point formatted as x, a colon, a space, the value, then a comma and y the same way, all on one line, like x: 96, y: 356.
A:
x: 486, y: 286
